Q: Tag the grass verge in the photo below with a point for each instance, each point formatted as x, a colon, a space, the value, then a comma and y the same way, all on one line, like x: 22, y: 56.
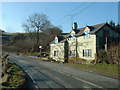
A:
x: 107, y: 69
x: 15, y: 77
x: 31, y: 54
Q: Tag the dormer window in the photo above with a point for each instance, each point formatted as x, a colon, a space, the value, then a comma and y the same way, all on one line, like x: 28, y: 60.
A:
x: 72, y: 37
x: 87, y: 34
x: 56, y: 41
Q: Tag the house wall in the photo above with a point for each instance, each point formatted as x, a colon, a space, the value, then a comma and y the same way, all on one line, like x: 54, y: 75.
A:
x: 72, y: 32
x: 71, y: 43
x: 87, y: 29
x: 83, y: 44
x: 59, y: 47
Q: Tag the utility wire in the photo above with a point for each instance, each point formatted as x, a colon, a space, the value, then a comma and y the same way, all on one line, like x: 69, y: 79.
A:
x: 84, y: 9
x: 63, y: 18
x: 78, y: 7
x: 73, y: 15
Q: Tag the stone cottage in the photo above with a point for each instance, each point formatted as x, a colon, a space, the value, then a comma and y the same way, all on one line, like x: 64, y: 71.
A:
x: 83, y: 42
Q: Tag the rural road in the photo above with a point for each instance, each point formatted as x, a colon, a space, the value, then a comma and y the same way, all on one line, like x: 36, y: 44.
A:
x: 55, y: 75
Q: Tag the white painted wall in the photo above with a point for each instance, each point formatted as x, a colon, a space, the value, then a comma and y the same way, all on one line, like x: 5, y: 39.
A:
x: 89, y: 43
x: 57, y: 47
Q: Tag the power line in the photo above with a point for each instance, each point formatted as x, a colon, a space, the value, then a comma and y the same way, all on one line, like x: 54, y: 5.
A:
x: 73, y: 15
x: 84, y: 9
x: 63, y: 18
x: 78, y: 7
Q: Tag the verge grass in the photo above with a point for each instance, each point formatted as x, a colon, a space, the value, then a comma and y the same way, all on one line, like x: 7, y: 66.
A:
x: 15, y: 77
x: 31, y: 54
x: 107, y: 69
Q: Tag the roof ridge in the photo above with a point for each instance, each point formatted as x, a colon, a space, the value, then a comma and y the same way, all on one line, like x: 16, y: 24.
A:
x: 99, y: 24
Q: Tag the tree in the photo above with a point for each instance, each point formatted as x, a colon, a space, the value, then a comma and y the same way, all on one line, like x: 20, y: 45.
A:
x: 47, y: 36
x: 117, y: 28
x: 24, y: 45
x: 112, y: 23
x: 35, y: 24
x: 53, y: 31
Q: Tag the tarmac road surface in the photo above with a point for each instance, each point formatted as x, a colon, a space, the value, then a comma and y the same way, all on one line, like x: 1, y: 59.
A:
x: 55, y: 75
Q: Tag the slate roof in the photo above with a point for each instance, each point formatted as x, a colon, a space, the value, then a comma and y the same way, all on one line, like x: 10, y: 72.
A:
x: 93, y: 29
x: 60, y: 38
x: 80, y: 31
x: 77, y: 31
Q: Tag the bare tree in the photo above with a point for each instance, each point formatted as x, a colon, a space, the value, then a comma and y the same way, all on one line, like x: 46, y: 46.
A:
x: 35, y: 24
x: 53, y: 31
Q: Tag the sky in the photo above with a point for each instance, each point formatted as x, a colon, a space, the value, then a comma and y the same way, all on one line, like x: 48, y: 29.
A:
x: 14, y: 14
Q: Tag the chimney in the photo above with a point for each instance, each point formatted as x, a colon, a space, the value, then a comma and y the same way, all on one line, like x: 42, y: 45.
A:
x: 74, y: 27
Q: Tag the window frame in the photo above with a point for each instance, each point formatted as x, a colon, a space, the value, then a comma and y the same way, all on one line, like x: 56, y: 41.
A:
x: 72, y: 37
x: 87, y: 35
x: 55, y: 53
x: 87, y: 53
x: 55, y: 41
x: 72, y: 53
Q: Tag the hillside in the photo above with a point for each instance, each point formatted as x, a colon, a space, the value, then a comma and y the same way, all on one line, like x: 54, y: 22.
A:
x: 25, y: 42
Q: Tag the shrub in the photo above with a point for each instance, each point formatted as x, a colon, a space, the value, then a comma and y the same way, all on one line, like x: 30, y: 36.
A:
x: 50, y: 59
x: 5, y: 56
x: 102, y: 57
x: 43, y: 54
x: 113, y: 54
x: 71, y: 59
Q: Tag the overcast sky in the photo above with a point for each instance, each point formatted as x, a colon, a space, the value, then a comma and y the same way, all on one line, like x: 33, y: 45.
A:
x: 59, y: 13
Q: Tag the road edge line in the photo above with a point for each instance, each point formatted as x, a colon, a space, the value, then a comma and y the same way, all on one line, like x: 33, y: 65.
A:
x: 32, y: 80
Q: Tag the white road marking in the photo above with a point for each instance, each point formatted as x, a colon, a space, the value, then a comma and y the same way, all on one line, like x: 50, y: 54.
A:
x: 78, y: 78
x: 32, y: 79
x: 36, y: 86
x: 87, y: 82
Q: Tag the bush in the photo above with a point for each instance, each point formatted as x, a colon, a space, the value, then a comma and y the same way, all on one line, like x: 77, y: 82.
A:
x: 43, y: 54
x: 102, y: 57
x: 5, y: 56
x: 51, y: 59
x: 113, y: 54
x: 71, y: 59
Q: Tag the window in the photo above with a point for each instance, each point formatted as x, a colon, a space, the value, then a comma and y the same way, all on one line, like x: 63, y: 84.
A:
x: 55, y: 41
x: 87, y: 34
x: 72, y: 53
x: 55, y: 53
x: 72, y: 37
x: 87, y: 53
